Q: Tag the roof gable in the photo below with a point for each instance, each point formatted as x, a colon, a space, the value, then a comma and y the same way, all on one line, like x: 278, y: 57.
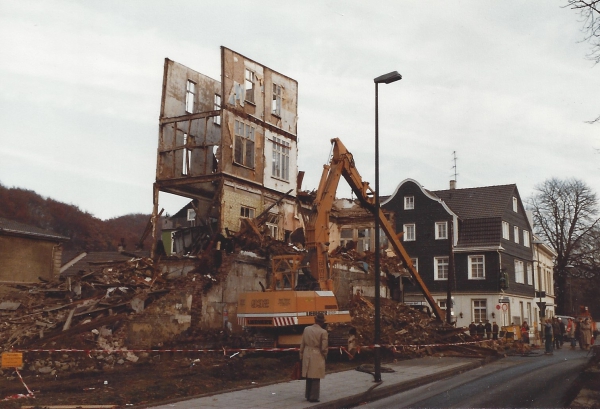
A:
x: 478, y: 202
x: 13, y: 227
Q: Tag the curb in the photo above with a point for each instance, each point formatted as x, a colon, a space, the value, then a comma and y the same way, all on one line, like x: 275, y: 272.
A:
x: 378, y: 392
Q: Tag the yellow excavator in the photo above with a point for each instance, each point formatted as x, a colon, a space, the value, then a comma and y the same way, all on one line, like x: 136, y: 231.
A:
x: 302, y: 285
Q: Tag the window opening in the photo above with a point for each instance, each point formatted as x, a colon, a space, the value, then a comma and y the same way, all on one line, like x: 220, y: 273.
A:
x: 276, y: 104
x: 505, y: 231
x: 363, y: 242
x: 409, y: 202
x: 250, y: 80
x: 185, y: 165
x: 519, y: 273
x: 529, y: 273
x: 244, y: 144
x: 516, y: 233
x: 217, y: 107
x: 281, y: 159
x: 526, y: 241
x: 190, y: 97
x: 415, y: 262
x: 515, y: 204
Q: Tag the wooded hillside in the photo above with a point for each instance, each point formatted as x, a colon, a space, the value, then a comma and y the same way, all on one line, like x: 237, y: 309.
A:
x: 86, y: 231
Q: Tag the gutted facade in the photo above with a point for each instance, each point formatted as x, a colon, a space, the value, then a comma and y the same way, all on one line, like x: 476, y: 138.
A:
x: 230, y: 145
x: 28, y: 253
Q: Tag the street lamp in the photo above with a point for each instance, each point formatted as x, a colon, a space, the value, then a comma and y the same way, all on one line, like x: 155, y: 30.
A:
x: 383, y: 79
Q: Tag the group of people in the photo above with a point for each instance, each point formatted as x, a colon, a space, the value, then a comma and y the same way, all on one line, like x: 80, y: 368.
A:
x: 481, y: 330
x: 578, y: 331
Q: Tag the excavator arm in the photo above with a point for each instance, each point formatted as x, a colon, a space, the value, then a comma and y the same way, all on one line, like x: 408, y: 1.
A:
x: 317, y: 228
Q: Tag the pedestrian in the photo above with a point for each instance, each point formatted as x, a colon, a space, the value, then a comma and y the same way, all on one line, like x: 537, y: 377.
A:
x: 586, y: 333
x: 472, y: 329
x: 571, y: 333
x: 488, y: 329
x: 556, y: 334
x: 495, y: 330
x: 548, y: 336
x: 313, y: 352
x: 563, y: 331
x: 525, y: 333
x: 480, y: 330
x: 578, y: 334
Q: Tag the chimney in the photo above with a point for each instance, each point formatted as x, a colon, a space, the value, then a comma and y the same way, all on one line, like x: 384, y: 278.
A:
x: 452, y: 184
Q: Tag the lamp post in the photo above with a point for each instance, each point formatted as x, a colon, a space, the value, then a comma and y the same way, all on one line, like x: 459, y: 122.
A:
x: 383, y: 79
x: 541, y: 304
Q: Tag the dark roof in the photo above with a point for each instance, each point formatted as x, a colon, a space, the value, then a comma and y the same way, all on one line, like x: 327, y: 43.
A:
x: 479, y: 232
x: 91, y: 260
x: 13, y: 227
x: 478, y: 202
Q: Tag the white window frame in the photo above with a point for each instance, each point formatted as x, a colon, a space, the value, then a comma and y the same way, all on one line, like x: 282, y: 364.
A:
x: 529, y: 274
x: 441, y: 230
x: 250, y: 85
x: 217, y: 107
x: 526, y: 240
x: 280, y: 168
x: 185, y: 156
x: 516, y: 233
x: 244, y: 135
x: 519, y: 272
x: 442, y: 304
x: 415, y: 262
x: 515, y: 202
x: 409, y: 202
x: 505, y: 230
x: 363, y: 239
x: 477, y: 267
x: 438, y: 273
x: 410, y: 232
x: 190, y: 96
x: 276, y: 102
x: 479, y: 310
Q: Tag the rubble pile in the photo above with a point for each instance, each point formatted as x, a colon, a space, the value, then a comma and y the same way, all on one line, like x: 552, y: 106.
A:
x: 391, y: 264
x: 413, y: 332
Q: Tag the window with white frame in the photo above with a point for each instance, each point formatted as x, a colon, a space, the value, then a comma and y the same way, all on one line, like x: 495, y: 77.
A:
x: 479, y: 310
x: 440, y: 265
x: 409, y: 202
x: 519, y: 272
x: 505, y: 231
x: 441, y: 230
x: 415, y: 262
x: 529, y: 274
x: 281, y: 159
x: 363, y: 240
x: 516, y: 234
x: 244, y: 144
x: 442, y: 304
x: 409, y: 232
x: 276, y: 104
x: 515, y: 204
x: 346, y: 236
x: 250, y: 83
x: 216, y: 107
x: 190, y: 96
x: 476, y: 267
x: 246, y: 212
x: 272, y: 224
x: 526, y: 241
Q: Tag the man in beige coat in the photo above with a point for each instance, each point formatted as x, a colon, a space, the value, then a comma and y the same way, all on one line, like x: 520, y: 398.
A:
x: 313, y: 351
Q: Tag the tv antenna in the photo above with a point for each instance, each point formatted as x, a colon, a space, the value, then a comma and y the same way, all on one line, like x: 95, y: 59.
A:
x: 454, y: 159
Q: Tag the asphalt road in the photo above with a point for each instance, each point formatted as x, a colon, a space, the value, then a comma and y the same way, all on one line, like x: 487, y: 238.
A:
x: 514, y: 382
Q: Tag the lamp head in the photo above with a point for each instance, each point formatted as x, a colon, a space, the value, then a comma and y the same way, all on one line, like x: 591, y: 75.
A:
x: 388, y: 78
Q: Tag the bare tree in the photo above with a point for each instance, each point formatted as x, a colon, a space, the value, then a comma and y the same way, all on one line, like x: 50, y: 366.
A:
x: 589, y: 10
x: 565, y: 214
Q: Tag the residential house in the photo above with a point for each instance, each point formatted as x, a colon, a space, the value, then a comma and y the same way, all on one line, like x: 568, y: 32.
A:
x: 544, y: 257
x: 479, y: 237
x: 230, y: 145
x: 28, y: 253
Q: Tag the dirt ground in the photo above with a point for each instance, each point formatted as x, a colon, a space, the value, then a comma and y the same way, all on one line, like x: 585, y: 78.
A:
x: 159, y: 378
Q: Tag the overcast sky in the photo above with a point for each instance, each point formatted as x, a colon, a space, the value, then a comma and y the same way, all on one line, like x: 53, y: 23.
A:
x: 504, y: 84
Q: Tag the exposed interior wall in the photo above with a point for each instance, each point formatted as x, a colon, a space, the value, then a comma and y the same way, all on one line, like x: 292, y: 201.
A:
x: 23, y: 260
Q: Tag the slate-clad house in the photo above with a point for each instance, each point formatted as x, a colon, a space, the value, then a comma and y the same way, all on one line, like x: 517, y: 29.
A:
x: 489, y: 234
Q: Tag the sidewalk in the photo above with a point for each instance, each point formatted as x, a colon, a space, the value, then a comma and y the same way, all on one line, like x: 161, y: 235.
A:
x: 340, y: 389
